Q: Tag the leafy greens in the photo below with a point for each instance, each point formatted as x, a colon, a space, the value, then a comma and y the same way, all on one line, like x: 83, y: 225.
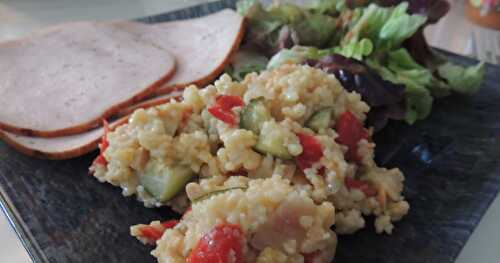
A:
x: 387, y: 35
x: 387, y: 99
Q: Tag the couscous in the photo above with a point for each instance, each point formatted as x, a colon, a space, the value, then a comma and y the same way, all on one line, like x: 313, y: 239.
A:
x: 263, y: 220
x: 294, y: 122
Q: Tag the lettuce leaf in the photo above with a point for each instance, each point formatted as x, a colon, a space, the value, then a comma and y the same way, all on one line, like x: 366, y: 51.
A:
x: 296, y: 55
x: 356, y: 50
x: 419, y: 104
x: 263, y: 27
x: 464, y: 80
x: 386, y: 27
x: 285, y: 56
x: 400, y: 68
x: 329, y: 7
x: 244, y: 62
x: 315, y: 30
x: 407, y: 70
x: 268, y: 25
x: 398, y: 29
x: 288, y: 13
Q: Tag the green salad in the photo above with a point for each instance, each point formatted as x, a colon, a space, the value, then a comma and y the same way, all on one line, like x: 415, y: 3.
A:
x: 383, y: 38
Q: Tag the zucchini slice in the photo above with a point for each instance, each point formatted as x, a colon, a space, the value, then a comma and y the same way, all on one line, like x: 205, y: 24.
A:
x: 254, y: 115
x: 165, y: 182
x: 272, y: 144
x: 320, y: 119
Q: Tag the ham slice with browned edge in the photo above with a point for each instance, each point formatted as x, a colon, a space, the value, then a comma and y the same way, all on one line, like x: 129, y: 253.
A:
x: 131, y: 54
x: 58, y: 148
x: 202, y: 46
x: 64, y: 80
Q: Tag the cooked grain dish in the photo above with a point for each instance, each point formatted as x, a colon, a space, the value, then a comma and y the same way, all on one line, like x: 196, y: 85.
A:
x: 295, y: 121
x: 274, y: 221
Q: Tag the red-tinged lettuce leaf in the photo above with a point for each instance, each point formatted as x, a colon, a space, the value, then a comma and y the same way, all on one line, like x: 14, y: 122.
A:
x: 277, y: 26
x: 432, y: 9
x: 447, y: 76
x: 417, y: 45
x: 263, y: 27
x: 420, y: 50
x: 287, y: 38
x: 386, y: 99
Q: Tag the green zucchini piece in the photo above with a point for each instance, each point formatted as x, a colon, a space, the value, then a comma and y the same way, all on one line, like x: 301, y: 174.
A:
x: 165, y: 182
x: 208, y: 195
x: 273, y: 144
x: 254, y: 115
x: 320, y: 119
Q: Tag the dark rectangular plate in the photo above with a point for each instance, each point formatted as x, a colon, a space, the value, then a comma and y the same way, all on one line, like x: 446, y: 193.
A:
x: 451, y: 162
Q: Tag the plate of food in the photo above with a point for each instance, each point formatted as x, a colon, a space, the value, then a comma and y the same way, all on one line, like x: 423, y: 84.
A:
x: 235, y: 131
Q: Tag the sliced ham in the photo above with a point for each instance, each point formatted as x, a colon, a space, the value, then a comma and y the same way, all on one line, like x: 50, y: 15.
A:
x: 64, y: 80
x: 201, y: 46
x: 58, y: 148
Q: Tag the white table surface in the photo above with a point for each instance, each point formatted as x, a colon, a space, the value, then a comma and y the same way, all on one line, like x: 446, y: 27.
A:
x: 454, y: 33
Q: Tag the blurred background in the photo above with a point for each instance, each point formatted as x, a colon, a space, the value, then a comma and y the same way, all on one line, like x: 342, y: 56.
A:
x: 454, y: 33
x: 476, y: 34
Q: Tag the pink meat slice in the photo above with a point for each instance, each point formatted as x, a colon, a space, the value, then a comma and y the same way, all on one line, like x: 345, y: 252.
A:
x: 64, y: 80
x: 201, y: 46
x: 58, y: 148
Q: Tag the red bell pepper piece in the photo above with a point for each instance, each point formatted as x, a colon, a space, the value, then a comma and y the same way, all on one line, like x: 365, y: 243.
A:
x: 224, y: 116
x: 170, y: 223
x: 100, y: 160
x: 227, y: 102
x: 309, y: 257
x: 152, y: 234
x: 221, y: 245
x: 350, y: 131
x: 104, y: 140
x: 222, y: 108
x: 363, y: 186
x: 311, y: 151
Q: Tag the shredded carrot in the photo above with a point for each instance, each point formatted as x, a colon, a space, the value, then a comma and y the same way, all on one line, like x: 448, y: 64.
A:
x: 101, y: 160
x: 185, y: 117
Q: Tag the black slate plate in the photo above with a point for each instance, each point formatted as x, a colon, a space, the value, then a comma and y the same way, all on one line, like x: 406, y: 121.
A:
x: 451, y: 162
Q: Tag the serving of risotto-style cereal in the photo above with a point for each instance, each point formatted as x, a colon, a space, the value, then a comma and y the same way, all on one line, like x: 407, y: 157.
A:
x: 262, y: 169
